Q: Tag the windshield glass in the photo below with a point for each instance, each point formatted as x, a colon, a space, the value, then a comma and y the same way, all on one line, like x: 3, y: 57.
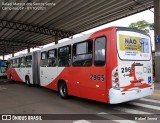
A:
x: 133, y: 46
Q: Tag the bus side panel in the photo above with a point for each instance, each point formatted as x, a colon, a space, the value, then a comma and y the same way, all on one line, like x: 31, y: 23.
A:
x: 79, y: 83
x: 22, y: 72
x: 93, y: 80
x: 15, y: 76
x: 90, y: 88
x: 47, y: 75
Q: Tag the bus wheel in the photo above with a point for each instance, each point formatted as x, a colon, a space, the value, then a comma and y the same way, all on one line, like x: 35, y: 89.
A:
x: 62, y: 89
x: 28, y: 81
x: 11, y: 78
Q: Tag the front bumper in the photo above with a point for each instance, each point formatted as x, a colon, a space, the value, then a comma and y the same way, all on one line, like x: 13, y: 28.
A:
x: 117, y: 96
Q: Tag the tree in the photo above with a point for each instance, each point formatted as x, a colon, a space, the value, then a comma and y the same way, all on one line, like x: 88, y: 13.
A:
x: 142, y: 25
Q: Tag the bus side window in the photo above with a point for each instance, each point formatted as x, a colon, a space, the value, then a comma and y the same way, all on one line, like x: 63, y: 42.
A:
x: 44, y: 59
x: 82, y: 54
x: 23, y: 62
x: 18, y: 62
x: 10, y: 64
x: 14, y: 63
x: 29, y: 61
x: 52, y: 58
x: 64, y: 56
x: 100, y: 51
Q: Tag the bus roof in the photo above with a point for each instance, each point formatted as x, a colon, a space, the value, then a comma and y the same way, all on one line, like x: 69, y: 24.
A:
x: 87, y: 36
x: 81, y: 38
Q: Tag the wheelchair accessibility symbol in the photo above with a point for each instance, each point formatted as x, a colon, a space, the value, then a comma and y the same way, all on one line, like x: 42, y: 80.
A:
x: 149, y: 80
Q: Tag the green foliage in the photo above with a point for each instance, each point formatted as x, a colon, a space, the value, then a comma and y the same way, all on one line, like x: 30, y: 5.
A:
x: 142, y: 25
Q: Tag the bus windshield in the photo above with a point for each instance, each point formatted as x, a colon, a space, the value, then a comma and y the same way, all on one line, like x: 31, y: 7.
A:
x: 133, y: 46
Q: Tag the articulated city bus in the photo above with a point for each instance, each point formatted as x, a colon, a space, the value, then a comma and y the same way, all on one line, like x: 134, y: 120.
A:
x: 3, y: 68
x: 113, y: 65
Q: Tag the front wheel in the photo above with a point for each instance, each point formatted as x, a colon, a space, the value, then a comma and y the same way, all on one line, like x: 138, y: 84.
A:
x: 62, y: 89
x: 28, y: 81
x: 11, y: 78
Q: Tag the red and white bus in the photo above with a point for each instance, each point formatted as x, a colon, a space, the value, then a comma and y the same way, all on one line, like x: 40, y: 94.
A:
x: 113, y: 65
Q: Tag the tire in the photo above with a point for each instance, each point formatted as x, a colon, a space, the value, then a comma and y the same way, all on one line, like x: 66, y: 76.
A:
x: 28, y: 81
x: 11, y: 79
x: 62, y: 90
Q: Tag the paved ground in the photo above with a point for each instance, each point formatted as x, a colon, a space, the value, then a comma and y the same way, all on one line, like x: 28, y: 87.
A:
x: 17, y: 98
x: 157, y: 85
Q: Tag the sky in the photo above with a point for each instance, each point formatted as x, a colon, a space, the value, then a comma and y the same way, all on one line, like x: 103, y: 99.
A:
x: 147, y: 15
